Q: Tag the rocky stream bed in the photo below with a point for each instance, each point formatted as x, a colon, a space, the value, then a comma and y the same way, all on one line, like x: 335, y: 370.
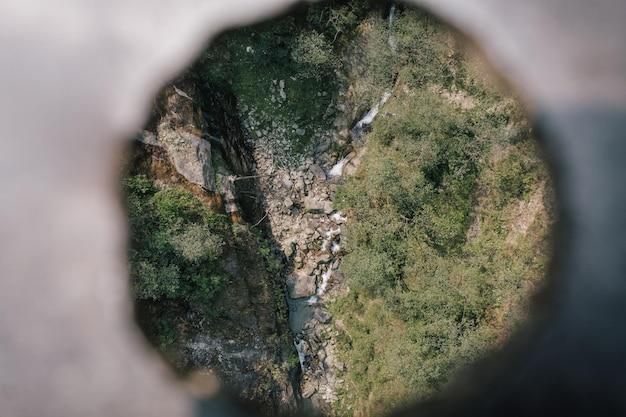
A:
x: 290, y: 197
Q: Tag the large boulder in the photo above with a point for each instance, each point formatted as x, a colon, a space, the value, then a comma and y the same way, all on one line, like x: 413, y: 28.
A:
x: 179, y: 128
x: 309, y: 388
x: 301, y: 285
x: 316, y: 204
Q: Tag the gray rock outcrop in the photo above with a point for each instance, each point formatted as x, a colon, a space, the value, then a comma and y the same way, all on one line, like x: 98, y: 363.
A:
x: 178, y: 128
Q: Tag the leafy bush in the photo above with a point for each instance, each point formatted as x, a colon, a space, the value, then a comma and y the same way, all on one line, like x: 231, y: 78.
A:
x: 153, y: 282
x: 196, y: 243
x: 176, y: 244
x: 313, y: 52
x: 172, y: 206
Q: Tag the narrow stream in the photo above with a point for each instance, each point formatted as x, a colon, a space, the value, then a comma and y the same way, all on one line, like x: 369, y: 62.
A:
x: 309, y: 320
x: 390, y: 40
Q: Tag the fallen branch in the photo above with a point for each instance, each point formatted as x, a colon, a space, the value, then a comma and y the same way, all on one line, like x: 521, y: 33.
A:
x: 259, y: 222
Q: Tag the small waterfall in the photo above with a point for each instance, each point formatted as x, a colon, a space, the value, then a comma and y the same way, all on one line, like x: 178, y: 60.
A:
x: 330, y: 235
x: 337, y: 169
x: 338, y: 217
x: 390, y: 41
x: 300, y: 351
x: 334, y: 247
x: 325, y: 276
x: 321, y: 288
x: 369, y: 116
x: 392, y: 11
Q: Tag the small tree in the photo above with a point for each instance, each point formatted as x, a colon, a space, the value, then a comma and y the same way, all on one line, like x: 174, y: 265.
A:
x: 314, y: 54
x: 196, y: 243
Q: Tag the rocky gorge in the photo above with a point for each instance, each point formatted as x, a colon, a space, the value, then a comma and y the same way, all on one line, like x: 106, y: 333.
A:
x: 293, y: 205
x: 278, y: 145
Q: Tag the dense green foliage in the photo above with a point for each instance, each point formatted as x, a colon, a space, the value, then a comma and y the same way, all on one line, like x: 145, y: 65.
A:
x: 300, y: 51
x: 436, y: 273
x: 447, y: 233
x: 176, y: 244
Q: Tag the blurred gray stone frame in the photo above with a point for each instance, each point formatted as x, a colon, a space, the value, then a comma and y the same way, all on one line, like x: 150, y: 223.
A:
x: 76, y: 82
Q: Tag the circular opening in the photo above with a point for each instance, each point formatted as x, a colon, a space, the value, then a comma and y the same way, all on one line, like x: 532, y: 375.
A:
x: 336, y: 211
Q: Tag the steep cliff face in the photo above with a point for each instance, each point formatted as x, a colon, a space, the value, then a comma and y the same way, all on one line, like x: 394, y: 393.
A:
x: 247, y: 344
x: 178, y: 127
x: 224, y: 128
x: 245, y: 340
x: 225, y: 131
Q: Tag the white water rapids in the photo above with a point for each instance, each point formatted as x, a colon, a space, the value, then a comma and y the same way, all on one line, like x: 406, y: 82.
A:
x: 370, y: 115
x: 300, y: 351
x: 337, y: 169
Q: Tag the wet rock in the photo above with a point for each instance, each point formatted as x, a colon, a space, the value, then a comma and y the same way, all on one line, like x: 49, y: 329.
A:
x: 301, y: 285
x: 309, y: 389
x: 323, y: 257
x: 314, y: 204
x: 304, y: 347
x: 318, y: 172
x: 337, y: 218
x: 286, y: 182
x: 322, y: 316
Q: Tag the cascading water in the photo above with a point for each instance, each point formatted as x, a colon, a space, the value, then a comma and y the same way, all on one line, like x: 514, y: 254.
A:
x: 322, y: 287
x: 373, y: 112
x: 331, y: 234
x: 369, y: 116
x: 315, y: 274
x: 390, y: 41
x: 299, y: 348
x: 306, y: 314
x: 337, y: 169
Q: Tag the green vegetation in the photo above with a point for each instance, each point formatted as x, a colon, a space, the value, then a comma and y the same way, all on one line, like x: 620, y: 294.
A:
x: 283, y: 72
x: 438, y: 270
x: 448, y: 232
x: 188, y: 261
x: 176, y: 245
